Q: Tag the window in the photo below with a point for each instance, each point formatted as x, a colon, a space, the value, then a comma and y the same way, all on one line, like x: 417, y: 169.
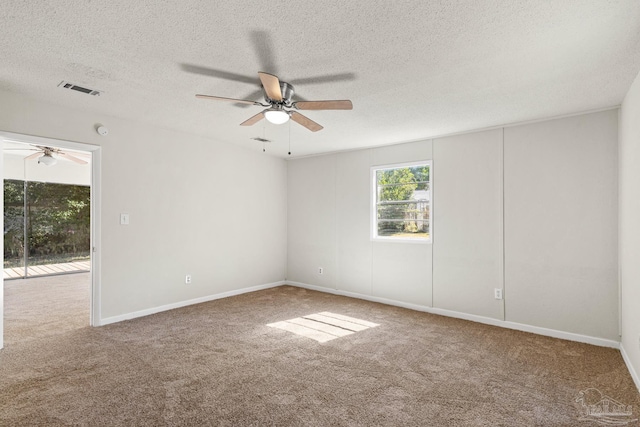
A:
x: 402, y: 202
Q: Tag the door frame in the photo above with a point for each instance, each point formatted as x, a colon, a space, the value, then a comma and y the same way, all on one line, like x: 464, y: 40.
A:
x: 96, y: 151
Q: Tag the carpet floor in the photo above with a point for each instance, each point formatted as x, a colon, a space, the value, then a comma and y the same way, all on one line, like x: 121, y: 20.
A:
x: 219, y: 364
x: 45, y: 306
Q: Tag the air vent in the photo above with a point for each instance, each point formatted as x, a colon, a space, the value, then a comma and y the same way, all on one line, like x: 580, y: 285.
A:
x: 257, y: 138
x: 67, y: 85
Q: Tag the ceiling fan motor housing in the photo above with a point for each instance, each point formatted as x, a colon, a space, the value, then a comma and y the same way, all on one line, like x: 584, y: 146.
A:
x: 287, y: 93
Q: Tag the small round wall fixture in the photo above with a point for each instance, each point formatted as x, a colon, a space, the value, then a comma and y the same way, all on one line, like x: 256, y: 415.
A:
x: 102, y: 130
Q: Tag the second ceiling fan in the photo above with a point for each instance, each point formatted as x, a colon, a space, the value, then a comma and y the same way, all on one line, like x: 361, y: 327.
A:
x: 280, y: 107
x: 45, y: 155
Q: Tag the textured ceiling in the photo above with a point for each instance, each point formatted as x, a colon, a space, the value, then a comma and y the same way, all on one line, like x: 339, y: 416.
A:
x: 413, y: 69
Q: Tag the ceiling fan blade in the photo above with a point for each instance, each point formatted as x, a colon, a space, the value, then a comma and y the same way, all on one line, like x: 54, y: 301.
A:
x: 221, y: 74
x: 329, y: 78
x: 256, y: 94
x: 34, y: 155
x: 220, y: 98
x: 324, y: 105
x: 271, y: 85
x: 72, y: 158
x: 305, y: 121
x: 253, y: 120
x: 83, y: 156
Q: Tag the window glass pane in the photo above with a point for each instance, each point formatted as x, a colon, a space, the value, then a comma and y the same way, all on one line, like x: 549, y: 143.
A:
x: 395, y: 176
x: 13, y: 223
x: 58, y: 226
x: 397, y: 192
x: 391, y: 212
x: 403, y: 210
x: 403, y: 228
x: 402, y: 201
x: 421, y: 176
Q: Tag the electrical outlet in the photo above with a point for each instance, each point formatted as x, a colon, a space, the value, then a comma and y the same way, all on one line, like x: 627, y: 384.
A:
x: 320, y: 270
x: 497, y: 293
x: 187, y: 279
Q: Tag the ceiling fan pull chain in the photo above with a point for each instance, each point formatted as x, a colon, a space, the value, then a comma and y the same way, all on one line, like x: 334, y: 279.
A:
x: 289, y: 137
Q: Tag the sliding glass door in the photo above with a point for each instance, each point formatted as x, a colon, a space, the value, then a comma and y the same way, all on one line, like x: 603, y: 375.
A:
x: 46, y: 228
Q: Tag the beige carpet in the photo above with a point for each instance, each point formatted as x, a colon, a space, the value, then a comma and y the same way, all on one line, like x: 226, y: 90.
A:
x: 219, y: 364
x: 45, y: 306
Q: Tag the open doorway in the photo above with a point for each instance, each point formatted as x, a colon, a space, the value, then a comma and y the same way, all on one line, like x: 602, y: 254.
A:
x: 47, y: 211
x: 49, y: 237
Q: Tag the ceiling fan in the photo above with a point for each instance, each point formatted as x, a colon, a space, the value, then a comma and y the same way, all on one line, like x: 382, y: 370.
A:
x: 280, y: 107
x: 46, y: 157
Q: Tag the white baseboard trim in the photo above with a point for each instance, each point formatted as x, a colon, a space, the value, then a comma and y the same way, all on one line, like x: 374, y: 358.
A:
x: 632, y: 371
x: 602, y: 342
x: 154, y: 310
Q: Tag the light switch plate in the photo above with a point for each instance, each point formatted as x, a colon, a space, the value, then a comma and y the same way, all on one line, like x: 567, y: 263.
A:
x: 124, y: 219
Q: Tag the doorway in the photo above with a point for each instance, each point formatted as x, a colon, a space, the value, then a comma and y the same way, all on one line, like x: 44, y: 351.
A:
x: 52, y: 226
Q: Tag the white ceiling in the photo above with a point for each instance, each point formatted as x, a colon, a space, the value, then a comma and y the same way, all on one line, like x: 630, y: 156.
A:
x: 413, y: 69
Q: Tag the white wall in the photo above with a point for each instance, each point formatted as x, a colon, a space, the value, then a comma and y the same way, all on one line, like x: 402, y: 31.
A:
x: 312, y: 220
x: 561, y: 224
x: 215, y: 211
x: 543, y: 200
x: 467, y: 198
x: 630, y: 226
x: 353, y: 245
x: 329, y: 205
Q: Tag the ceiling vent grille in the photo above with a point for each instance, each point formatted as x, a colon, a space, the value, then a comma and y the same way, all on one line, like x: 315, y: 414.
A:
x: 67, y: 85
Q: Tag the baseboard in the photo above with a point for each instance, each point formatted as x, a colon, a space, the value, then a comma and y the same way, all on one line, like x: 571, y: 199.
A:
x: 601, y: 342
x: 632, y: 371
x: 154, y: 310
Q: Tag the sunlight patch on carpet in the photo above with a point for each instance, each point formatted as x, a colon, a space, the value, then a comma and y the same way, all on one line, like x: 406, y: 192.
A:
x: 324, y: 326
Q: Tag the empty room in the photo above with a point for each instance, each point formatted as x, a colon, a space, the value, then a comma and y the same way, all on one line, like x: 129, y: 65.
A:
x: 367, y: 213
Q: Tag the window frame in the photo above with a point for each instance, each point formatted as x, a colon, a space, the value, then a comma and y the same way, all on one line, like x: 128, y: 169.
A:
x: 374, y: 203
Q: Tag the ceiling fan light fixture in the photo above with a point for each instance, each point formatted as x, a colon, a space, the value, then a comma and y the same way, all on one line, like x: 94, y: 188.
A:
x: 47, y: 160
x: 276, y: 116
